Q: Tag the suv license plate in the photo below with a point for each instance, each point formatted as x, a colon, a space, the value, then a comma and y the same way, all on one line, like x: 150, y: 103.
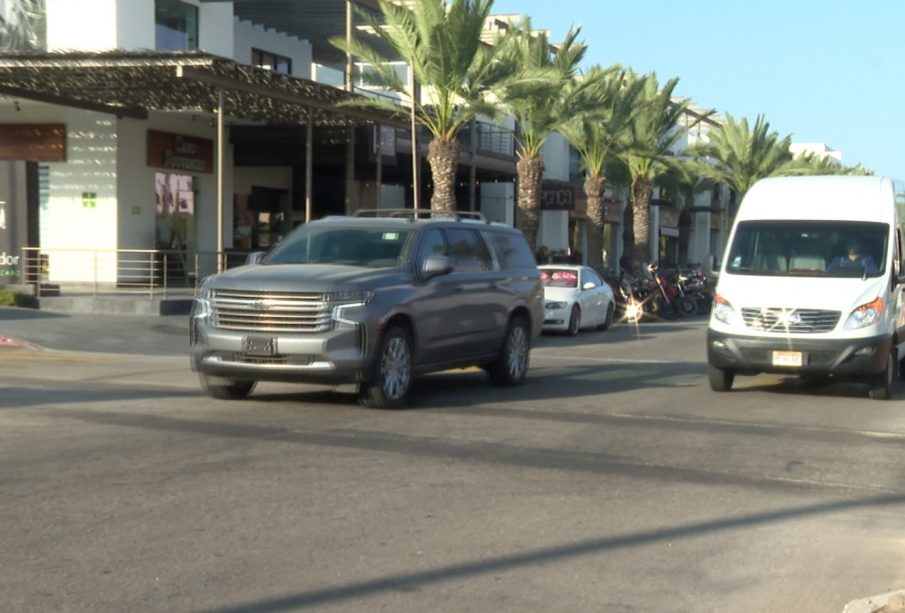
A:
x: 791, y: 359
x: 259, y: 345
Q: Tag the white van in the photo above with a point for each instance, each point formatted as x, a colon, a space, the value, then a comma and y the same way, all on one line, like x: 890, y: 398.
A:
x: 811, y: 283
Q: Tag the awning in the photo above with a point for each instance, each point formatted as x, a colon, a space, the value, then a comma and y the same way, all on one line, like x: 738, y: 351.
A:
x: 133, y: 83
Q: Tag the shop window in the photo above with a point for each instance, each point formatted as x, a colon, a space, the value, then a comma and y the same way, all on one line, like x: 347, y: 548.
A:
x: 271, y: 61
x: 23, y: 25
x: 176, y: 26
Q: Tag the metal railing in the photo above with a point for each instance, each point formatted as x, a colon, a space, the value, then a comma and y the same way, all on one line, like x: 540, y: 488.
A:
x: 489, y: 138
x: 154, y: 272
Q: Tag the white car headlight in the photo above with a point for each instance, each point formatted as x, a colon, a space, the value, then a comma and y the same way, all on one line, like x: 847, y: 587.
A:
x: 554, y: 306
x: 865, y: 315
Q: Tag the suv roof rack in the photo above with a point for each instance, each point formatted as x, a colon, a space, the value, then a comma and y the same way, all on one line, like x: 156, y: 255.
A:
x: 412, y: 214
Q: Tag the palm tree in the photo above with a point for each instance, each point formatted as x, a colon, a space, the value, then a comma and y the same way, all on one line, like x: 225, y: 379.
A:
x: 685, y: 179
x: 24, y: 25
x: 597, y: 135
x: 812, y: 164
x: 541, y: 95
x: 739, y: 156
x: 655, y: 131
x: 443, y: 47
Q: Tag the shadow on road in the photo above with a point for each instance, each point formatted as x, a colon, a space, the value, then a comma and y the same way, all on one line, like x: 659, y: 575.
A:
x: 453, y: 572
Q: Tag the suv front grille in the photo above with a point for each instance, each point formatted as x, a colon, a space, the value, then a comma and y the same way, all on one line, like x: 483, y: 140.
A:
x: 803, y: 321
x: 270, y: 311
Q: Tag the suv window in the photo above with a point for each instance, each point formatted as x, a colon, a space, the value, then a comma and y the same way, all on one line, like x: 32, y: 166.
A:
x: 432, y: 244
x: 511, y: 251
x: 467, y: 250
x: 328, y: 244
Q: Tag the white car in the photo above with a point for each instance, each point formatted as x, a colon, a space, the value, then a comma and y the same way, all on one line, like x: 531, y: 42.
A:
x: 575, y: 297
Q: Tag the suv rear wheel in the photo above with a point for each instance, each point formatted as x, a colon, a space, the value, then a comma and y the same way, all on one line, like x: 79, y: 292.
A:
x: 391, y: 381
x: 230, y: 390
x: 512, y: 365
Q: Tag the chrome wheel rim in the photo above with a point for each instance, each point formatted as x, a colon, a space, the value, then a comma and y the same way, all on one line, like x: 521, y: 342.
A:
x: 396, y: 368
x: 517, y: 352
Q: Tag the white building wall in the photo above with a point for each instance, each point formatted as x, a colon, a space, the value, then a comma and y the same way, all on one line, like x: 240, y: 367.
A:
x: 86, y: 25
x: 556, y: 158
x: 134, y: 24
x: 81, y: 212
x: 216, y: 29
x: 248, y: 35
x: 498, y: 202
x: 553, y: 231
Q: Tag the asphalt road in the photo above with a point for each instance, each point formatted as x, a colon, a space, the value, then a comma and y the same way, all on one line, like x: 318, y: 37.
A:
x: 614, y: 480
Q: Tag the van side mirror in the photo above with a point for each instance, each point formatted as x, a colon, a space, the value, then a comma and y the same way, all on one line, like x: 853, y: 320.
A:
x: 435, y: 265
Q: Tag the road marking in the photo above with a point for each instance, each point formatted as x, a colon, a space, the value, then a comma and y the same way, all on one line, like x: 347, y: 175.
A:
x: 611, y: 360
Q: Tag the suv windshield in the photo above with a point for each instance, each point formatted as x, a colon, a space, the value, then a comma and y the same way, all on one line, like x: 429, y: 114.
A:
x: 809, y: 248
x: 330, y: 244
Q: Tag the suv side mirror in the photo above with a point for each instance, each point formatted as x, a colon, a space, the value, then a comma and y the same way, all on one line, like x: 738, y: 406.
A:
x: 436, y: 265
x: 254, y: 257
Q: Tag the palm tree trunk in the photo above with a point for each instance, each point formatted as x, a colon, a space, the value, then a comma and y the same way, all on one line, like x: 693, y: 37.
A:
x: 593, y: 189
x: 642, y: 192
x: 443, y: 156
x: 530, y: 173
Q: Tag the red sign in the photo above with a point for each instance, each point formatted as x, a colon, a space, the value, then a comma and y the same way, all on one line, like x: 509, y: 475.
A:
x: 33, y: 142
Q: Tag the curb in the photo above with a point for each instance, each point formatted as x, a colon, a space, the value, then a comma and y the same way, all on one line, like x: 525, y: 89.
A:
x: 892, y: 602
x: 8, y: 341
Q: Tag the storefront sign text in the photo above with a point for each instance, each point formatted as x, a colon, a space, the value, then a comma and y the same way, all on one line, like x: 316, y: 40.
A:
x: 180, y: 152
x: 33, y: 142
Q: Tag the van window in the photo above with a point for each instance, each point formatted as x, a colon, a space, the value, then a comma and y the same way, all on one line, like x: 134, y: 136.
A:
x: 809, y: 248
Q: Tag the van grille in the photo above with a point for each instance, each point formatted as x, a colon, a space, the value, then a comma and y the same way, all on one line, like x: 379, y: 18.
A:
x: 803, y: 321
x: 270, y: 311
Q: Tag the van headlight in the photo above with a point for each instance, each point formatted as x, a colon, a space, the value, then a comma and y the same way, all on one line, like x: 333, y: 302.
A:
x: 722, y: 310
x: 865, y: 315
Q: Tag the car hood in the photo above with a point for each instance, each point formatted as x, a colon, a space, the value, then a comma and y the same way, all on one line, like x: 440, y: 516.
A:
x: 304, y: 277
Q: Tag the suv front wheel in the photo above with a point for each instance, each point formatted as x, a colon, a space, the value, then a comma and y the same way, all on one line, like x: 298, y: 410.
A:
x: 512, y: 365
x: 391, y: 379
x: 226, y: 389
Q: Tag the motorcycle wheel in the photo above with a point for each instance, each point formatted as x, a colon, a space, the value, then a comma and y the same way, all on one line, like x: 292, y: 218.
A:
x: 688, y: 307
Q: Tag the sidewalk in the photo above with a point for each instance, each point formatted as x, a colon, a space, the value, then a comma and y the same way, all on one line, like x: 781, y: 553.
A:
x: 151, y: 335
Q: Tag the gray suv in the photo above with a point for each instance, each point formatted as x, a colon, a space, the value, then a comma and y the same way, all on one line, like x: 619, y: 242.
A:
x: 374, y: 300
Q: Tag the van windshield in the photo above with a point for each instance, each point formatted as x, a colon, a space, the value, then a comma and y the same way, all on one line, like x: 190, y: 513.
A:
x: 329, y: 244
x: 809, y: 248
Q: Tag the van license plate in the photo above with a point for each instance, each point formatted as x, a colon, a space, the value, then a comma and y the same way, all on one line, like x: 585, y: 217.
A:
x: 259, y: 345
x: 791, y: 359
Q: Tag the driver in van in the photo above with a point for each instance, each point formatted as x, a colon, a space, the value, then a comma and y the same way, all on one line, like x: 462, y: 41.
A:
x: 854, y: 260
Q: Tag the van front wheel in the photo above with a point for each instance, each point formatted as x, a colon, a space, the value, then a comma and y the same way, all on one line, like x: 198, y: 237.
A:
x: 720, y: 380
x: 881, y: 386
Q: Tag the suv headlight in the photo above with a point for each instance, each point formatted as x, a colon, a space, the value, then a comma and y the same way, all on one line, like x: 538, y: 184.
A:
x: 865, y: 315
x: 349, y: 307
x: 201, y: 306
x: 722, y: 310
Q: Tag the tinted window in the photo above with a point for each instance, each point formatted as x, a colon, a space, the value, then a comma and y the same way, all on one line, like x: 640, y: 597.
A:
x: 511, y: 250
x: 589, y: 276
x: 467, y: 250
x: 327, y: 244
x: 176, y: 26
x: 432, y: 244
x: 810, y: 248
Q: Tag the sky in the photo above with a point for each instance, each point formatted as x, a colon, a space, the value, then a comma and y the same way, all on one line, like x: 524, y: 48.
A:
x: 828, y: 71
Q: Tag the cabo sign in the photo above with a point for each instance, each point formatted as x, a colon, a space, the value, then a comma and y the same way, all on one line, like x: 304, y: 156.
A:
x: 9, y: 265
